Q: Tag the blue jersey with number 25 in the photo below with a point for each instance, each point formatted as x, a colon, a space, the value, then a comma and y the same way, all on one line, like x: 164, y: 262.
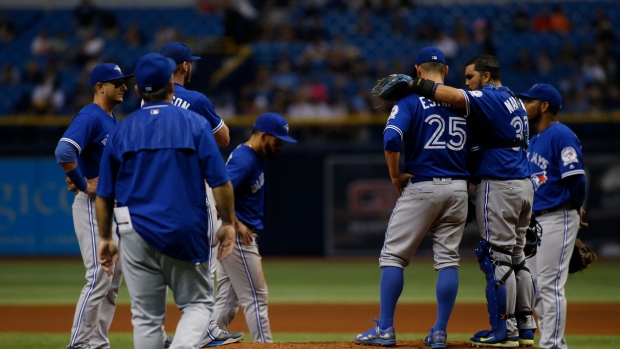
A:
x: 435, y: 137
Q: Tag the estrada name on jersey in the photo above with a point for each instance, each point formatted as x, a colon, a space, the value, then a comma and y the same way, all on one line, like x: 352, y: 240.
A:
x: 556, y: 154
x: 435, y: 137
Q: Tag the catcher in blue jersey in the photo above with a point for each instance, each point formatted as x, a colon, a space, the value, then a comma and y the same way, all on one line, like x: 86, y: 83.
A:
x: 557, y: 166
x: 79, y: 154
x: 433, y: 199
x: 504, y: 193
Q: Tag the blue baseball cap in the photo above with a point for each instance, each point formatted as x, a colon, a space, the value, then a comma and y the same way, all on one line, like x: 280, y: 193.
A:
x: 544, y: 93
x: 430, y: 54
x: 105, y: 72
x: 178, y: 51
x: 275, y: 125
x: 153, y: 72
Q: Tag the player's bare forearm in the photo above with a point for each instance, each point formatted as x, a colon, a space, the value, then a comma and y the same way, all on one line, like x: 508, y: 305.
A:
x: 225, y: 202
x: 105, y: 209
x: 398, y: 178
x: 222, y: 136
x: 450, y: 95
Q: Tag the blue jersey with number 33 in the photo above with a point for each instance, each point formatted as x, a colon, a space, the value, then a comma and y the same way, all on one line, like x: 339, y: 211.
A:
x: 435, y: 137
x: 498, y: 116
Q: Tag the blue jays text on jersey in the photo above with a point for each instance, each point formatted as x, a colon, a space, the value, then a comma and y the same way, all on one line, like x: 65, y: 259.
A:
x: 554, y: 154
x: 247, y: 175
x: 435, y: 137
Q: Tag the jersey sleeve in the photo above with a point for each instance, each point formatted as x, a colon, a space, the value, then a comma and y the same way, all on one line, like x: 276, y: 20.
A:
x: 108, y: 170
x: 570, y: 159
x: 237, y: 167
x: 397, y: 125
x: 80, y: 131
x: 204, y: 107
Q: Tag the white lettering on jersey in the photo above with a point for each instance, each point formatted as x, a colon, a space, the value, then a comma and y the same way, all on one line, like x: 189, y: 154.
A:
x: 539, y: 161
x: 429, y: 103
x: 569, y: 155
x: 511, y: 104
x: 393, y: 112
x: 259, y: 183
x: 178, y: 102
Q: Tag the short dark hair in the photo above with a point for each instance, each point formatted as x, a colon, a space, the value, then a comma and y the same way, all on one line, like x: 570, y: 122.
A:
x: 155, y: 96
x: 433, y: 67
x: 486, y: 63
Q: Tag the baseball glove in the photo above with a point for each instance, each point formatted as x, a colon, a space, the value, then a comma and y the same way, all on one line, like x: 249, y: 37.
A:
x: 393, y: 87
x: 582, y: 257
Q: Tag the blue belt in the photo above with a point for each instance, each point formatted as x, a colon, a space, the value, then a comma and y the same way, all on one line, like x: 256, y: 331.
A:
x: 418, y: 179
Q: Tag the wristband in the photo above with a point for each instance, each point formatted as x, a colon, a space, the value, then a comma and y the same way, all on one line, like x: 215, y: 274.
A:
x: 76, y: 178
x: 423, y: 87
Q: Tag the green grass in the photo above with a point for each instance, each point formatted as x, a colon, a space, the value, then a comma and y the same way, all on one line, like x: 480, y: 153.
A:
x: 125, y: 340
x: 301, y: 281
x: 38, y: 282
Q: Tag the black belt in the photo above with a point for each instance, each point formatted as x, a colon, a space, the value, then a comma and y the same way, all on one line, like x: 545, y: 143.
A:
x: 417, y: 179
x: 565, y: 206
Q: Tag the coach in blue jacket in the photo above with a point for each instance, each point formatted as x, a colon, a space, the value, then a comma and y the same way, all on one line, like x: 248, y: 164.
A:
x: 155, y: 165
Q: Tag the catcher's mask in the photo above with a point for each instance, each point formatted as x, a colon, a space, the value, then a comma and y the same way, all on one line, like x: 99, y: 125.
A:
x: 532, y: 238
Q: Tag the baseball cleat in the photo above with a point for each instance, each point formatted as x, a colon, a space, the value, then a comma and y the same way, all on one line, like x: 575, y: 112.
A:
x: 526, y: 338
x: 436, y: 339
x: 491, y: 341
x: 167, y: 342
x: 224, y: 338
x: 377, y: 336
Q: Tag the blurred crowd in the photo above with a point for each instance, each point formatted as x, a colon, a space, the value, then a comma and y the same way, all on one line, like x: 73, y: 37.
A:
x: 325, y: 74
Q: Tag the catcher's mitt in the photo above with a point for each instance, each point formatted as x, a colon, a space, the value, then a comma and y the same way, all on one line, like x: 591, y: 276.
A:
x: 582, y: 257
x: 393, y: 87
x: 532, y: 238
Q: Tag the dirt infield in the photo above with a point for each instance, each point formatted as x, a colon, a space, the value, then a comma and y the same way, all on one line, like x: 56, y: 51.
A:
x: 589, y: 319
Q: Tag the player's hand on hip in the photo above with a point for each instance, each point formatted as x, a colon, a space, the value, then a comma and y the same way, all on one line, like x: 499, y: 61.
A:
x: 244, y: 232
x: 107, y: 253
x: 91, y: 186
x: 225, y: 237
x: 582, y: 224
x: 72, y: 187
x: 401, y: 181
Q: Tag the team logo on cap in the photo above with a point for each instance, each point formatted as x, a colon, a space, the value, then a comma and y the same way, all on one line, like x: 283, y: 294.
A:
x: 118, y: 68
x: 286, y: 128
x: 434, y: 57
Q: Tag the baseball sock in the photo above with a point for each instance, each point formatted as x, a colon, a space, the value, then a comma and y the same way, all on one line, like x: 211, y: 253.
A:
x: 446, y: 290
x: 392, y: 282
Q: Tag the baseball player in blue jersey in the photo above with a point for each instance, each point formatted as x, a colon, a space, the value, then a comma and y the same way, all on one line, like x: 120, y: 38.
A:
x: 433, y: 194
x: 240, y: 278
x: 504, y: 195
x: 164, y: 222
x: 199, y: 103
x: 557, y: 167
x: 79, y: 154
